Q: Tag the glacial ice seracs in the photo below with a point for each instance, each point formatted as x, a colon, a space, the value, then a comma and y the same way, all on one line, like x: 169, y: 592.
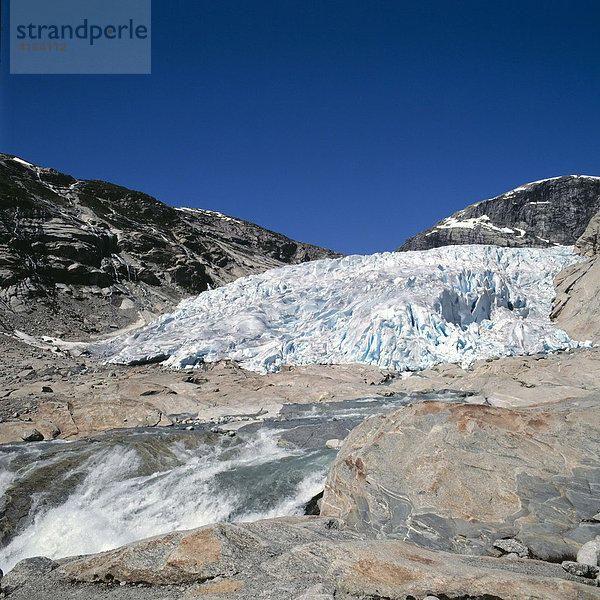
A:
x: 403, y: 311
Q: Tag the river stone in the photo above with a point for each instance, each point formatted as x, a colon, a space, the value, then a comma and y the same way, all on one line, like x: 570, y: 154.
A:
x: 180, y: 557
x: 580, y: 569
x: 589, y: 554
x: 458, y: 476
x: 511, y: 546
x: 32, y: 435
x: 25, y: 571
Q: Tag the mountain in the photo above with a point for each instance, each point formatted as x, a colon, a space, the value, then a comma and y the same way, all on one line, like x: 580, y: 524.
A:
x: 403, y: 311
x: 82, y: 257
x: 542, y: 213
x: 577, y: 302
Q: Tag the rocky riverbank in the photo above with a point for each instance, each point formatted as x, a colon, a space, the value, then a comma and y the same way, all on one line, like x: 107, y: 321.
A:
x: 65, y: 397
x: 304, y: 558
x: 489, y: 499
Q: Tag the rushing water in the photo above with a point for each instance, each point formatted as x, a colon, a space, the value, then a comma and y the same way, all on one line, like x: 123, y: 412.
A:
x: 66, y: 498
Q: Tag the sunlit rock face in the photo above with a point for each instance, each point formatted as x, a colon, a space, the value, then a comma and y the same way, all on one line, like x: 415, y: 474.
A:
x: 539, y: 214
x: 81, y: 256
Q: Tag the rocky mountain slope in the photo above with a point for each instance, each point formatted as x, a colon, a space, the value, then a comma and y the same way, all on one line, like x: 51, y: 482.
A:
x: 542, y: 213
x: 577, y: 302
x: 84, y: 257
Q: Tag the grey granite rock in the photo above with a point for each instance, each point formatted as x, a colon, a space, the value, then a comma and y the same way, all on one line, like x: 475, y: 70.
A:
x: 580, y: 569
x: 26, y: 571
x: 589, y: 553
x: 543, y: 213
x: 459, y: 476
x: 32, y: 435
x: 512, y: 546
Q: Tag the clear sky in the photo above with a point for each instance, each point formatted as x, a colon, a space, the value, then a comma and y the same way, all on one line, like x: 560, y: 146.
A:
x: 348, y: 124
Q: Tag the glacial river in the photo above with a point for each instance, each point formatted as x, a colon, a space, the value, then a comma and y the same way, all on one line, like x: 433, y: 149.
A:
x: 63, y: 498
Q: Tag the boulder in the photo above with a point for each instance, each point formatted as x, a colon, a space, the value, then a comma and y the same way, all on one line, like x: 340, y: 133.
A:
x: 26, y: 571
x: 32, y: 435
x: 580, y: 569
x: 589, y: 554
x: 181, y: 557
x: 459, y: 476
x: 510, y: 546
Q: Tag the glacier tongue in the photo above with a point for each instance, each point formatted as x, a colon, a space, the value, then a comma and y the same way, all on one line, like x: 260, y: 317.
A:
x: 404, y: 311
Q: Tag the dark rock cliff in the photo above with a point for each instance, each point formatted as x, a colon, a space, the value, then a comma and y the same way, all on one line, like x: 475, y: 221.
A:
x: 85, y: 257
x: 543, y: 213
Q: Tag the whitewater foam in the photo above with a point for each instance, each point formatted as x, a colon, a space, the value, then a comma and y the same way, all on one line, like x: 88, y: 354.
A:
x: 122, y: 498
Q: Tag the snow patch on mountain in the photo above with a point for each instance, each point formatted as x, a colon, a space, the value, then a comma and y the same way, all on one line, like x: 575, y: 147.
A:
x: 404, y: 311
x: 210, y: 213
x: 471, y: 223
x: 22, y: 162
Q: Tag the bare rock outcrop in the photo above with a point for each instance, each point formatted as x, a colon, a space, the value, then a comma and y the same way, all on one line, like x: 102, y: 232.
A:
x: 289, y: 559
x: 577, y: 302
x: 458, y: 476
x: 589, y: 242
x: 542, y: 213
x: 85, y: 257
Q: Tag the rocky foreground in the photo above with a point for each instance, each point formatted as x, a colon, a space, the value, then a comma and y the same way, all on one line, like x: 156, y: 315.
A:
x: 310, y: 558
x: 449, y: 500
x: 64, y: 397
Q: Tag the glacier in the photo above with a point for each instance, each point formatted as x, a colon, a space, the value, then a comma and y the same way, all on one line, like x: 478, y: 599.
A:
x: 402, y: 311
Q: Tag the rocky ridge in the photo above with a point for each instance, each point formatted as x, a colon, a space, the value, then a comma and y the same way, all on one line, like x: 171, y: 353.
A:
x: 539, y: 214
x: 79, y: 257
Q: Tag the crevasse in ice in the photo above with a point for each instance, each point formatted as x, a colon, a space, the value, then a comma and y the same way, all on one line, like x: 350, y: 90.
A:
x: 404, y: 311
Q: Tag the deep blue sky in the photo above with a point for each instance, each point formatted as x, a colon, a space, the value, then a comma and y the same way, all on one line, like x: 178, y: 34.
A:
x: 347, y: 124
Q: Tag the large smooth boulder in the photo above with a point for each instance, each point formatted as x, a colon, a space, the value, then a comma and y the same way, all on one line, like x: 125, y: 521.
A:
x: 459, y: 476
